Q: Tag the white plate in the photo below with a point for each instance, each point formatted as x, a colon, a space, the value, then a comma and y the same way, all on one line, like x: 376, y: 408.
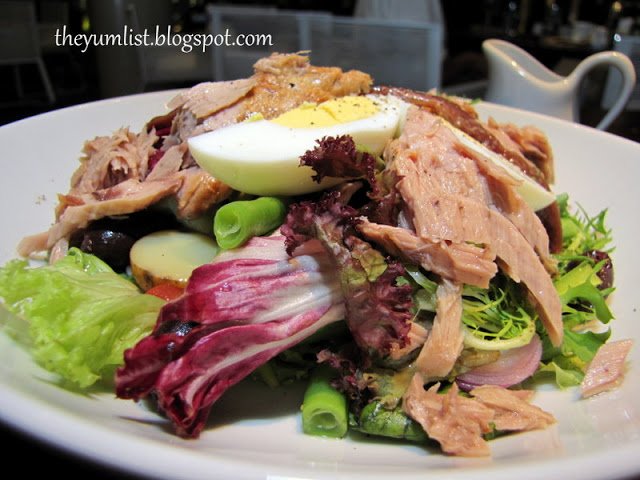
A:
x: 256, y: 434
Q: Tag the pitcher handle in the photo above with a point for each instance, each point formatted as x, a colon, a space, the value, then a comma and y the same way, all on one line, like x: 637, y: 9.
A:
x: 621, y: 62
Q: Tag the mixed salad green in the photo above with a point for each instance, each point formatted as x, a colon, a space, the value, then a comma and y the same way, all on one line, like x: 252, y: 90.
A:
x: 299, y: 290
x: 80, y: 317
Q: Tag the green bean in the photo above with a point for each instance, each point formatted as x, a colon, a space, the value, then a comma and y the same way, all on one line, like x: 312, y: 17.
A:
x: 375, y: 419
x: 267, y: 375
x: 324, y: 409
x: 237, y: 222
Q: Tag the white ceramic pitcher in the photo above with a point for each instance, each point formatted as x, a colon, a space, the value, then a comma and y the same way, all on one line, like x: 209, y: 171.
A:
x: 519, y: 80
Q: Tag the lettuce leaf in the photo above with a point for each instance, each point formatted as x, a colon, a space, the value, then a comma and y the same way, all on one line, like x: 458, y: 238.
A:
x: 584, y: 281
x: 378, y: 308
x: 564, y: 376
x: 340, y: 157
x: 81, y: 314
x: 496, y: 318
x: 237, y: 313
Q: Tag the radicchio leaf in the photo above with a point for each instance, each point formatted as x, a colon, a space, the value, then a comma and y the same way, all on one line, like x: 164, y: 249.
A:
x: 187, y: 388
x: 235, y: 315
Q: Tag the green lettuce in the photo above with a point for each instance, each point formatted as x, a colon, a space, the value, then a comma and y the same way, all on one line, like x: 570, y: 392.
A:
x: 584, y: 302
x: 500, y: 317
x: 81, y: 315
x: 497, y: 318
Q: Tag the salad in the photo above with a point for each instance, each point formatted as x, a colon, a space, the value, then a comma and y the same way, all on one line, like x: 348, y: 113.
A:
x: 410, y: 262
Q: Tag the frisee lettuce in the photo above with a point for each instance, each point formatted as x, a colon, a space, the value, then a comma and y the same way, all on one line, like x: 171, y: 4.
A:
x: 497, y: 318
x: 581, y: 232
x: 584, y: 301
x: 500, y: 317
x: 80, y: 314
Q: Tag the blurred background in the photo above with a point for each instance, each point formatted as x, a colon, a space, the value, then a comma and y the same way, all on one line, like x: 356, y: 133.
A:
x: 420, y: 44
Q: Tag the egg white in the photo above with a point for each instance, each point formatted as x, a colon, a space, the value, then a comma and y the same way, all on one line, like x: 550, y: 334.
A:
x: 534, y: 194
x: 263, y: 158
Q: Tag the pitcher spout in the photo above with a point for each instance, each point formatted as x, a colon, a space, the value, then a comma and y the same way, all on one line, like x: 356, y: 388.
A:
x: 519, y: 80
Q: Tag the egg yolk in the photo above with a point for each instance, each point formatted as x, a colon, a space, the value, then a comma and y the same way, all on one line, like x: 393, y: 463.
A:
x: 332, y: 112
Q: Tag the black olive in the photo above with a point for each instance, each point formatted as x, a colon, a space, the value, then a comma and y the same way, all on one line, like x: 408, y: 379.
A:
x: 605, y: 274
x: 111, y: 238
x: 112, y: 247
x: 179, y: 327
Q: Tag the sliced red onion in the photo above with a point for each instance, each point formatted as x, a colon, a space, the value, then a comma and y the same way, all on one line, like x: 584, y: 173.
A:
x: 512, y: 367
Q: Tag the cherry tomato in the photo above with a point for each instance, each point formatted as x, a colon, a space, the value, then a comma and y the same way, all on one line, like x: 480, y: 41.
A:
x: 166, y: 291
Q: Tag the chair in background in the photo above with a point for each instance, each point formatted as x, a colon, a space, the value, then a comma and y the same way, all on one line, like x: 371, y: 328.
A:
x: 630, y: 46
x: 417, y: 10
x: 398, y: 52
x: 426, y: 12
x: 53, y: 15
x: 394, y: 52
x: 20, y: 44
x: 236, y: 61
x: 164, y: 64
x: 68, y: 73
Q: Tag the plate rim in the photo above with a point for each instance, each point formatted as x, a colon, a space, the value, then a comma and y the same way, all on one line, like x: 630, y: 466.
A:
x: 626, y: 456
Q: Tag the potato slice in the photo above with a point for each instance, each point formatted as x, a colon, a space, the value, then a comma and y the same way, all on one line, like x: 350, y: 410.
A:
x: 169, y: 256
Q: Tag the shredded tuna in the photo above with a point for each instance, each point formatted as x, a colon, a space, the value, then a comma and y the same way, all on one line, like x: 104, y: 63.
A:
x: 280, y: 82
x: 529, y: 140
x: 415, y: 338
x: 459, y: 262
x: 111, y: 160
x: 284, y: 82
x: 59, y: 250
x: 183, y: 127
x: 448, y: 199
x: 606, y: 369
x: 512, y: 410
x: 444, y: 343
x: 126, y: 197
x: 169, y: 163
x: 33, y: 243
x: 223, y: 118
x: 466, y: 120
x: 469, y: 221
x: 550, y: 218
x: 506, y: 200
x: 452, y: 168
x: 113, y: 164
x: 208, y: 98
x: 527, y: 148
x: 456, y: 422
x: 199, y: 191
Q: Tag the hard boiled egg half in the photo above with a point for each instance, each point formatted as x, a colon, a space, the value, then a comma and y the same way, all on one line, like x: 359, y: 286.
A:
x: 534, y: 194
x: 262, y: 157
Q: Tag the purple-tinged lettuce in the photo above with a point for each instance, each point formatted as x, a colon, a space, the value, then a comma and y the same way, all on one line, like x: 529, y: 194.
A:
x: 235, y: 315
x: 378, y: 310
x: 339, y: 157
